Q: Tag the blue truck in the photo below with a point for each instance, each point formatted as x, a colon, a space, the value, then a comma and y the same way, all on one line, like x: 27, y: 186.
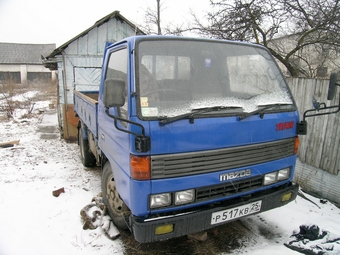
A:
x: 190, y: 133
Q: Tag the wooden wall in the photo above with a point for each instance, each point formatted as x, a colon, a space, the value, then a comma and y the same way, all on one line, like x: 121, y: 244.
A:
x: 320, y: 147
x: 79, y: 67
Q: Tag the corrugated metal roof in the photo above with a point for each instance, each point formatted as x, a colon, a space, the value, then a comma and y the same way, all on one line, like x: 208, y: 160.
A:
x: 100, y: 22
x: 17, y: 53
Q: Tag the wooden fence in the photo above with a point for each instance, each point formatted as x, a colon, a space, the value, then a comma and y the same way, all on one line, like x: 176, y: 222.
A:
x: 320, y: 147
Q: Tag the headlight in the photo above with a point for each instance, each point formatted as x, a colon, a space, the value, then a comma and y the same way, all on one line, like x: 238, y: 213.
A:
x: 184, y: 197
x: 276, y: 176
x: 283, y: 174
x: 270, y: 178
x: 160, y: 200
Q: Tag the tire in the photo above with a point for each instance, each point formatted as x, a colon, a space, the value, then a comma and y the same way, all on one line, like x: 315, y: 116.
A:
x: 86, y: 156
x: 114, y: 204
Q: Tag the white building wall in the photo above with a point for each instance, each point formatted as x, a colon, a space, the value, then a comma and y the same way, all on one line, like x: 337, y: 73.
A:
x: 26, y: 68
x: 29, y: 68
x: 23, y: 74
x: 312, y: 54
x: 37, y: 68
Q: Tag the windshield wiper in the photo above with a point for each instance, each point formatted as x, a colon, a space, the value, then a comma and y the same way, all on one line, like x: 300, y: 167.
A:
x: 260, y: 111
x: 194, y: 112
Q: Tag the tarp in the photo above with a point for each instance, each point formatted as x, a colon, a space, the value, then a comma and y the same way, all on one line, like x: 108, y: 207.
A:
x: 313, y: 240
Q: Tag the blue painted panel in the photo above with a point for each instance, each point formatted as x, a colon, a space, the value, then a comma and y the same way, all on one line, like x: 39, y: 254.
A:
x: 215, y: 133
x: 87, y: 111
x: 210, y: 179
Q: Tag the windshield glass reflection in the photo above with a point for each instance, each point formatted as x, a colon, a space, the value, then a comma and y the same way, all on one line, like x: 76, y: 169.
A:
x: 177, y: 76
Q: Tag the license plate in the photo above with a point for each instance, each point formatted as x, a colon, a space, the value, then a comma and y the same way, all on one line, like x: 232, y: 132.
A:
x: 234, y: 213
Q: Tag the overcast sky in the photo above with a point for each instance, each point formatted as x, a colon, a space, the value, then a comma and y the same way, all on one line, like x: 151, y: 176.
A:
x: 57, y: 21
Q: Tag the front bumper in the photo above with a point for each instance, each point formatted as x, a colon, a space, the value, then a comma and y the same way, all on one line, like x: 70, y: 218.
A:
x: 200, y: 219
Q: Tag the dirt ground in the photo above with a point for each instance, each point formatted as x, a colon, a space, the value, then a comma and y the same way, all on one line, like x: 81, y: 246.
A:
x: 222, y: 239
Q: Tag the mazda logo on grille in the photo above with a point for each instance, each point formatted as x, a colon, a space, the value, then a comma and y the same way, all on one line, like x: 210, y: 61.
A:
x: 234, y: 175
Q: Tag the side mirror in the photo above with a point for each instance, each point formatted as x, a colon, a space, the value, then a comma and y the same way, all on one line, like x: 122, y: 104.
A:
x: 332, y: 86
x: 114, y: 93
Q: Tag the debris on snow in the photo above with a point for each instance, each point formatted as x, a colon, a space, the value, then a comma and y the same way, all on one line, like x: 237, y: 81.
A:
x: 9, y: 144
x: 199, y: 236
x: 57, y: 192
x: 111, y: 230
x: 304, y: 197
x: 313, y: 240
x: 94, y: 215
x: 323, y: 201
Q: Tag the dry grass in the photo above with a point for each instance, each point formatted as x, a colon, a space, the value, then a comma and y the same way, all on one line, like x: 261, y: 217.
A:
x: 9, y: 90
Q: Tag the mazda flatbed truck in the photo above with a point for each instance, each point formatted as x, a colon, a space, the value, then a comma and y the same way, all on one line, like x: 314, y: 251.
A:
x: 190, y: 134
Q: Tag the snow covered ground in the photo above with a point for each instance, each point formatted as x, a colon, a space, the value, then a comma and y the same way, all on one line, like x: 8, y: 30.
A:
x: 33, y: 221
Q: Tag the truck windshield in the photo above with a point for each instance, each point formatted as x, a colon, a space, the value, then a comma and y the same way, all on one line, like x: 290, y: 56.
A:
x: 175, y: 77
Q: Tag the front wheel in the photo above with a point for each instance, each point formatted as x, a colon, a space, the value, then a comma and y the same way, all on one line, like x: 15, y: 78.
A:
x: 114, y: 204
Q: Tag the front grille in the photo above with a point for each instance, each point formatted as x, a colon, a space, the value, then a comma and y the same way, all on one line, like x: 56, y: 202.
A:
x: 183, y: 164
x: 228, y: 189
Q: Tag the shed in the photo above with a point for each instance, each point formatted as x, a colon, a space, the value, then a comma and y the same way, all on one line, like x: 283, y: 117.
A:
x: 79, y: 61
x: 21, y: 63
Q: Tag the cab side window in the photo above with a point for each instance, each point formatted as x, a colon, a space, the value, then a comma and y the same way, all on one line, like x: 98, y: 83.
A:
x: 118, y: 69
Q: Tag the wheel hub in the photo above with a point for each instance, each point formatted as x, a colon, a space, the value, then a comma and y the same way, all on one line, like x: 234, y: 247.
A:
x: 113, y: 198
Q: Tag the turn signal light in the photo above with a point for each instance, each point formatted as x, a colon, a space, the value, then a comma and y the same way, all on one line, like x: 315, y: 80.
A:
x: 140, y: 167
x: 296, y: 144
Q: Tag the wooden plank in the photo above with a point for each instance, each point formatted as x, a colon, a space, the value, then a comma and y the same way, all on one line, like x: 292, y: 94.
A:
x: 9, y: 143
x: 86, y: 97
x: 331, y: 145
x: 70, y: 123
x: 330, y: 159
x: 325, y: 160
x: 301, y: 90
x: 312, y: 132
x: 320, y: 124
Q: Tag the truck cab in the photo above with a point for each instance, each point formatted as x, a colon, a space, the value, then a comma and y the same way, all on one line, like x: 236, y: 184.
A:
x: 191, y: 133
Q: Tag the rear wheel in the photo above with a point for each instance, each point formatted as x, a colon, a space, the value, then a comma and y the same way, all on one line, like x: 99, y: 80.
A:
x: 114, y: 204
x: 86, y: 156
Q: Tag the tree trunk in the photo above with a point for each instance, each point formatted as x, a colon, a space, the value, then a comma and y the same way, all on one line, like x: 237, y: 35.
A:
x: 291, y: 69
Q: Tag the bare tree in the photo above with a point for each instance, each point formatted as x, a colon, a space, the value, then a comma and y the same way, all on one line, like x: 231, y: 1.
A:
x: 152, y: 22
x: 304, y: 23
